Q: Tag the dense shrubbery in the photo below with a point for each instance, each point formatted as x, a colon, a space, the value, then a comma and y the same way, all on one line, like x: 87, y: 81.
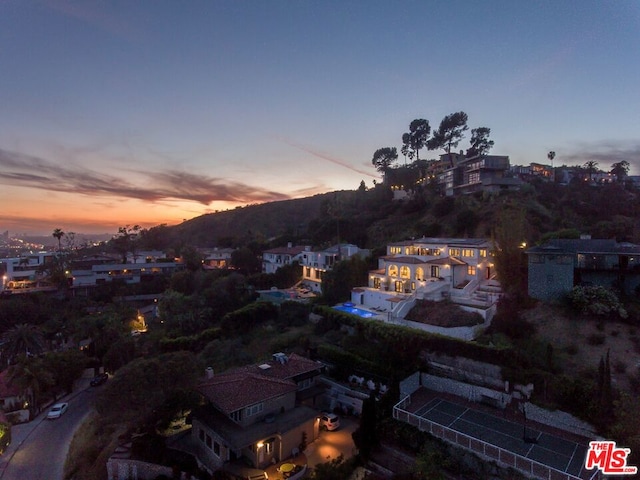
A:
x: 244, y: 319
x: 193, y: 343
x: 596, y: 300
x: 405, y: 344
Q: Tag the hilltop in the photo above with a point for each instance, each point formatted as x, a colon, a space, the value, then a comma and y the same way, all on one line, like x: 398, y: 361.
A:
x: 371, y: 218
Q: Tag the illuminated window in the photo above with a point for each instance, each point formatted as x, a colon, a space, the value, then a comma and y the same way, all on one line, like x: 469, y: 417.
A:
x: 483, y: 252
x: 419, y: 273
x: 268, y: 446
x: 393, y: 270
x: 435, y: 271
x: 405, y: 272
x: 454, y: 252
x: 395, y: 250
x: 467, y: 252
x: 471, y: 270
x: 376, y: 282
x: 399, y: 286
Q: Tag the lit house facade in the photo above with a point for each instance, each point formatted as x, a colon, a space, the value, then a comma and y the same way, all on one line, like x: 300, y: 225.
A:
x: 460, y: 269
x: 316, y: 264
x: 25, y: 273
x: 412, y: 265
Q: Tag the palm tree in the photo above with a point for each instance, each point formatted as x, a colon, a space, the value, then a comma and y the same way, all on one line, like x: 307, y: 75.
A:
x: 58, y: 233
x: 22, y: 339
x: 591, y: 166
x: 551, y: 155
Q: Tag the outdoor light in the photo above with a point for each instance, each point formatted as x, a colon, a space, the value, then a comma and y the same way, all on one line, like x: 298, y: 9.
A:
x: 260, y: 445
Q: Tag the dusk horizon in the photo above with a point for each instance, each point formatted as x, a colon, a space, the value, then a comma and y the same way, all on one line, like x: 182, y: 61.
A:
x: 148, y: 113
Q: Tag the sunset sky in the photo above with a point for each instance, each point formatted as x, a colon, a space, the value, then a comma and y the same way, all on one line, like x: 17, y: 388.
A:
x: 145, y: 112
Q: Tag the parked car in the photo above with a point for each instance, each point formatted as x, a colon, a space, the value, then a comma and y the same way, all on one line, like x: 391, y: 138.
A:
x: 57, y: 410
x: 99, y: 379
x: 329, y: 421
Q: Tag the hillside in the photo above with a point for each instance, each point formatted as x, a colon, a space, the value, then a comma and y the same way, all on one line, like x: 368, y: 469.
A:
x: 370, y: 218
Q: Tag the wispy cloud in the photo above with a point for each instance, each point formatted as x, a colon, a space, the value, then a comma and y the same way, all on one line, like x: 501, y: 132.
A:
x: 17, y: 169
x: 605, y: 153
x: 326, y: 156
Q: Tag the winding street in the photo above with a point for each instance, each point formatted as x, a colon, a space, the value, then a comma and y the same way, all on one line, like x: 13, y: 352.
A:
x: 39, y: 448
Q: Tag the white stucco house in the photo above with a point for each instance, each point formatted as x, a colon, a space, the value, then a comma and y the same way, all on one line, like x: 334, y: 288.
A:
x: 315, y: 264
x: 459, y: 269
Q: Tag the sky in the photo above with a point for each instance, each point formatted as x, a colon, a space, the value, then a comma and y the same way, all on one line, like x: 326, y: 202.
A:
x: 149, y: 112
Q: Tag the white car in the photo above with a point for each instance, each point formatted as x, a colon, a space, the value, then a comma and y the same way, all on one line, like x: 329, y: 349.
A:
x: 57, y: 410
x: 329, y: 421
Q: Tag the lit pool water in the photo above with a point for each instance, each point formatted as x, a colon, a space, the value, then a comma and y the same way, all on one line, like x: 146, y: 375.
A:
x: 354, y: 311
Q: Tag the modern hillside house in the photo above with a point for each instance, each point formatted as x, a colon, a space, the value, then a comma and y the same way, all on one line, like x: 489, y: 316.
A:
x: 482, y: 173
x: 316, y: 264
x: 25, y: 274
x: 459, y: 269
x: 560, y: 264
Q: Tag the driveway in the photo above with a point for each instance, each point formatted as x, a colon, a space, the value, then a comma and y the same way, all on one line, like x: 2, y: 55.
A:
x: 330, y: 445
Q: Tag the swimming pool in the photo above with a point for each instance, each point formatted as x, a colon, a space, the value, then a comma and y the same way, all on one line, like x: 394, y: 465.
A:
x: 355, y: 311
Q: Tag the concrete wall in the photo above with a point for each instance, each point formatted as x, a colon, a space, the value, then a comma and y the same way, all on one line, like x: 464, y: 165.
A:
x: 125, y: 469
x: 549, y: 280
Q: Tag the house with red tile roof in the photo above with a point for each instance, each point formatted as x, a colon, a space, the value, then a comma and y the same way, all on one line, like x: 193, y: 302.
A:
x: 277, y: 257
x: 256, y: 412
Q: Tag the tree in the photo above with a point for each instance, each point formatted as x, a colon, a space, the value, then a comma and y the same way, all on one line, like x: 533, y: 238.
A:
x: 246, y: 260
x: 338, y: 282
x: 143, y: 389
x: 365, y: 437
x: 22, y: 339
x: 31, y: 376
x: 126, y: 241
x: 620, y: 170
x: 58, y: 234
x: 416, y: 138
x: 551, y: 155
x: 591, y: 167
x: 510, y: 259
x: 383, y: 158
x: 65, y: 367
x: 480, y: 143
x: 450, y: 132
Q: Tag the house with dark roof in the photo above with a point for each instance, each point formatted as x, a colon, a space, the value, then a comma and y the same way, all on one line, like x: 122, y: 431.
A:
x: 560, y: 264
x: 258, y: 413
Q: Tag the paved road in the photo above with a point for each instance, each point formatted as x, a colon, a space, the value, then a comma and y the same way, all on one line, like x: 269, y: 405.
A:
x: 39, y: 448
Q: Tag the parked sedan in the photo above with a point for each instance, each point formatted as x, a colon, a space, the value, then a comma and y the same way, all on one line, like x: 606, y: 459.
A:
x: 57, y: 410
x: 99, y: 379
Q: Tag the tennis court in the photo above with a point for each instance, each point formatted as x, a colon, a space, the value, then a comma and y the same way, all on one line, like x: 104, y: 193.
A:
x: 547, y: 449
